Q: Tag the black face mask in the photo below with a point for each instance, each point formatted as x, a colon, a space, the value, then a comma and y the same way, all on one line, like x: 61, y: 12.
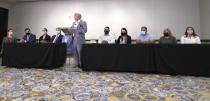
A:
x: 123, y: 34
x: 27, y: 33
x: 166, y: 34
x: 106, y: 32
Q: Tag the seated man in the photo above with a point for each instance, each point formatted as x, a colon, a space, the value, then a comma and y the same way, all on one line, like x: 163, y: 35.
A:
x: 68, y: 40
x: 58, y: 37
x: 144, y: 37
x: 29, y: 37
x: 106, y: 38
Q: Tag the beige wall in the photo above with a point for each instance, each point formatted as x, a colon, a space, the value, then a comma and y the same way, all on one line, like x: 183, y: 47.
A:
x: 205, y: 18
x: 11, y: 13
x: 132, y: 14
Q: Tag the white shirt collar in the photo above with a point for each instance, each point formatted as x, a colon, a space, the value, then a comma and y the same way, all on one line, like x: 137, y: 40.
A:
x: 77, y: 21
x: 58, y: 34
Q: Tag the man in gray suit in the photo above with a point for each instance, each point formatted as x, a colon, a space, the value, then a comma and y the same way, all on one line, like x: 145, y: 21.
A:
x: 80, y: 27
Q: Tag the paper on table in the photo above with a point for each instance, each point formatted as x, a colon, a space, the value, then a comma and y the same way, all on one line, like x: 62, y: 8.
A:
x: 68, y: 31
x: 73, y: 31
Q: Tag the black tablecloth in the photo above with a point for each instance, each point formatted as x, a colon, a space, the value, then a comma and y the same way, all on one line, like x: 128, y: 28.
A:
x: 164, y: 59
x: 33, y: 55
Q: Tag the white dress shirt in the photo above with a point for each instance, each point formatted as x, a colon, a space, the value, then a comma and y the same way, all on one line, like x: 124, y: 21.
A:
x: 76, y: 24
x: 190, y: 40
x: 109, y: 38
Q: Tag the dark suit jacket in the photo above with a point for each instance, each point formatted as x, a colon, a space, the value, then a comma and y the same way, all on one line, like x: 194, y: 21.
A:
x: 59, y: 38
x: 47, y: 38
x: 128, y: 39
x: 32, y: 38
x: 6, y: 40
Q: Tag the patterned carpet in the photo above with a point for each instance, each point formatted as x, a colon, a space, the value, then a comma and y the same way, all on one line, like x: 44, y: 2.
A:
x: 51, y: 85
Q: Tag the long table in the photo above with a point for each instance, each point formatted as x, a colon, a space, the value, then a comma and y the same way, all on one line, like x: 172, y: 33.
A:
x: 162, y: 59
x: 33, y: 55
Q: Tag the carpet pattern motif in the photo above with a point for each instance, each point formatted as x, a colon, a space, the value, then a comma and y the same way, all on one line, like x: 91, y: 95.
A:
x: 51, y: 85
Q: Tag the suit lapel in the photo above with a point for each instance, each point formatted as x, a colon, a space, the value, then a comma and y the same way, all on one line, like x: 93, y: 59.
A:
x: 80, y: 23
x: 29, y: 38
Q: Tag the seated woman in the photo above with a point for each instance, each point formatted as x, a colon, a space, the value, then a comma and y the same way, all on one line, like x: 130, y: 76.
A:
x: 190, y: 37
x: 124, y: 38
x: 9, y: 38
x: 167, y: 37
x: 45, y: 38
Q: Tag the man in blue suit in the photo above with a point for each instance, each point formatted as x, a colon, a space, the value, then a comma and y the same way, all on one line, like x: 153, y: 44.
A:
x: 80, y: 27
x: 58, y: 37
x: 29, y: 37
x: 68, y: 40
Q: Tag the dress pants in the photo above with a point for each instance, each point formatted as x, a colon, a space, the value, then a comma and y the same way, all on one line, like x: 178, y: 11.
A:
x: 77, y: 48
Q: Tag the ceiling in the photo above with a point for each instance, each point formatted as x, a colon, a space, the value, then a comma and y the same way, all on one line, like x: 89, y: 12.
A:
x: 19, y: 1
x: 22, y: 1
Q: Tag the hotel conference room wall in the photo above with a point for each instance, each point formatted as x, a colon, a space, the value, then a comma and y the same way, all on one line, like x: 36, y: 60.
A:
x: 132, y: 14
x: 11, y: 12
x: 205, y: 18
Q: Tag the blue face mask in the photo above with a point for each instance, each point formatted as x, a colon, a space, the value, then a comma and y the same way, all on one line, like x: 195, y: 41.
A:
x: 44, y: 33
x: 57, y: 32
x: 143, y: 32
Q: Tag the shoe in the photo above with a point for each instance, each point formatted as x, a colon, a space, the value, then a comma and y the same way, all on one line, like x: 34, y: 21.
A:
x: 78, y: 70
x: 75, y: 66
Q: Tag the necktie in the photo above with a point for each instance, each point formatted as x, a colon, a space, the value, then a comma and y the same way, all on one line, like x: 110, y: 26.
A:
x: 56, y: 38
x: 27, y: 38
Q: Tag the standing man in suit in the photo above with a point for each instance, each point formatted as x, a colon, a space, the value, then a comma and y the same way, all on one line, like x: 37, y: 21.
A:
x: 80, y: 27
x: 58, y: 37
x: 28, y: 37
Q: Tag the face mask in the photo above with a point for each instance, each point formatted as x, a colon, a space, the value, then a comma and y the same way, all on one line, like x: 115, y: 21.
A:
x: 10, y: 33
x: 166, y: 34
x: 106, y: 32
x: 143, y: 32
x: 190, y: 32
x: 123, y: 33
x: 27, y: 33
x: 57, y: 32
x: 44, y: 33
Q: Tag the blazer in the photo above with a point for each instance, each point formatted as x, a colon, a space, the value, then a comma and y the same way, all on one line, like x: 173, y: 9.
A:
x: 32, y: 38
x: 6, y: 40
x: 79, y: 35
x: 128, y: 39
x: 59, y: 40
x: 47, y: 38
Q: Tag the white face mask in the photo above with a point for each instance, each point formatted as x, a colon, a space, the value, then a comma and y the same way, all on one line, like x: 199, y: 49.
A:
x: 190, y: 32
x: 10, y: 33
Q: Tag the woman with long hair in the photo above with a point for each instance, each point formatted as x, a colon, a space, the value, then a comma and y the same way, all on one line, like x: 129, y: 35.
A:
x: 167, y: 37
x: 190, y: 37
x: 124, y: 38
